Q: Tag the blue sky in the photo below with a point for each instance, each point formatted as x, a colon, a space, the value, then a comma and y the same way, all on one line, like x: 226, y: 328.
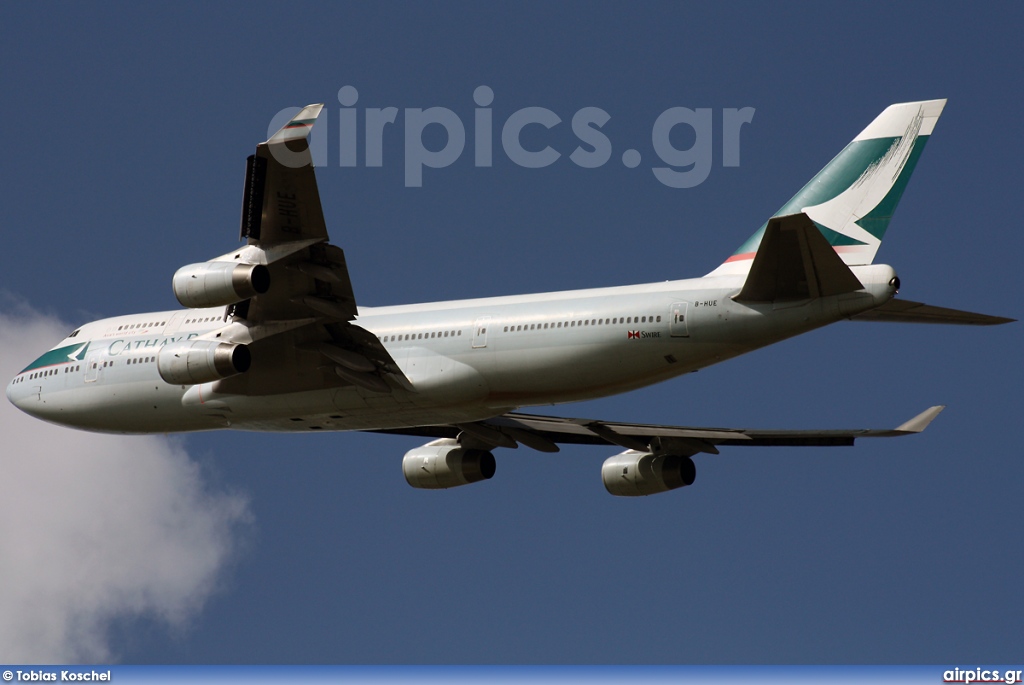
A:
x: 126, y: 131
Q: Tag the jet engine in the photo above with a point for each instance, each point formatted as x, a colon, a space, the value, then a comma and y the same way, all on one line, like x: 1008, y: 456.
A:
x: 632, y: 473
x: 444, y: 464
x: 201, y: 361
x: 217, y: 284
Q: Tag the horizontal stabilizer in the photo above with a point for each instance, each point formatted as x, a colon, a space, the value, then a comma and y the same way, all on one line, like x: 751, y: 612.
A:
x: 795, y: 262
x: 906, y: 311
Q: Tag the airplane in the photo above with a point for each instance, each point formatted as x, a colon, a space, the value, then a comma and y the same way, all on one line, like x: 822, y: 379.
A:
x: 271, y: 337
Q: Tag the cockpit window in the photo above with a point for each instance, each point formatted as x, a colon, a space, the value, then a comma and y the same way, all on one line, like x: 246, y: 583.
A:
x: 75, y: 333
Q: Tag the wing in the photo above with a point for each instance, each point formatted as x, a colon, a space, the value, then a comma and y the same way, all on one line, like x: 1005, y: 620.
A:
x: 303, y: 325
x: 544, y: 433
x: 281, y: 202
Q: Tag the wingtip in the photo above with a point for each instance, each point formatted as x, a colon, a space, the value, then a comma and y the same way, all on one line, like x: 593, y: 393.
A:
x: 298, y: 126
x: 921, y: 421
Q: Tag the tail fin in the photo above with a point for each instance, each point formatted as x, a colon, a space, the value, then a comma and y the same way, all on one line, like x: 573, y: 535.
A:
x: 852, y: 199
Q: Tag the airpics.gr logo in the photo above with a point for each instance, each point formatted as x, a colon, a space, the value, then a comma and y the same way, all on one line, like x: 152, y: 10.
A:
x: 528, y: 137
x: 981, y: 675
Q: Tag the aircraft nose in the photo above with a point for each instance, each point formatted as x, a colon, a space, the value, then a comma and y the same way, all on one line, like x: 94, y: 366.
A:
x: 21, y: 395
x: 14, y: 396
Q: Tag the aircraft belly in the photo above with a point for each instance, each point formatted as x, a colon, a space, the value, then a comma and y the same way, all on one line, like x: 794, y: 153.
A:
x: 740, y: 327
x: 443, y: 380
x: 139, y: 407
x: 570, y: 373
x: 335, y: 409
x: 408, y: 416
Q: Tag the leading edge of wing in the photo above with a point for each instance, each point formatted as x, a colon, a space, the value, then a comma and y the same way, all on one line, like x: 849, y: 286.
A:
x: 692, y: 439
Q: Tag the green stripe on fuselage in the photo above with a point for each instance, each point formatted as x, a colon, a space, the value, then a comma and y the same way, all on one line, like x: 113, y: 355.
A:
x: 61, y: 355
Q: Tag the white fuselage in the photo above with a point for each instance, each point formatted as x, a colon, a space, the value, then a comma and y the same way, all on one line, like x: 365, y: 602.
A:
x: 467, y: 360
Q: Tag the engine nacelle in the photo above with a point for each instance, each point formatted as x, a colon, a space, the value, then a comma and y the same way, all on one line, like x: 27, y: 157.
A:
x: 201, y: 361
x: 217, y: 284
x: 632, y: 473
x: 444, y: 464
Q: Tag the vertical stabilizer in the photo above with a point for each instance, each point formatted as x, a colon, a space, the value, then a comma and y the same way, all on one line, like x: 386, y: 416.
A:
x: 853, y: 198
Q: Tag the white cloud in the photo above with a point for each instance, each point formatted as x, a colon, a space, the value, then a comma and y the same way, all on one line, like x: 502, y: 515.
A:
x: 96, y: 528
